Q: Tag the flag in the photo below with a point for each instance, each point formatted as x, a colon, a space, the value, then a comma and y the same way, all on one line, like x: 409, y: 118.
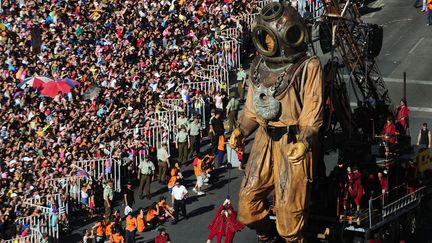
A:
x: 81, y: 172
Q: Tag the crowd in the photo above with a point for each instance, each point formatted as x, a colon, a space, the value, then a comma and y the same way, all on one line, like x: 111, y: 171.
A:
x: 136, y: 52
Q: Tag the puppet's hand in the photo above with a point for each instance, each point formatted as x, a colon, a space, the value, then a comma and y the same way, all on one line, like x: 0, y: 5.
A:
x: 297, y: 153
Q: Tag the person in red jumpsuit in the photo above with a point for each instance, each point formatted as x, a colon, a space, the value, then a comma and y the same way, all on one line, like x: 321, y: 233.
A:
x: 224, y: 224
x: 402, y: 114
x: 355, y: 186
x: 389, y: 132
x: 384, y: 185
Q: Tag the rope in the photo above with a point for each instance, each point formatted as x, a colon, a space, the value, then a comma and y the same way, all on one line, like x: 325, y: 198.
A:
x: 229, y: 173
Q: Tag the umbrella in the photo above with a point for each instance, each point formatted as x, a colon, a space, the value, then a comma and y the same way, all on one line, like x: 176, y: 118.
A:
x: 71, y: 82
x: 34, y: 82
x: 92, y: 92
x: 51, y: 89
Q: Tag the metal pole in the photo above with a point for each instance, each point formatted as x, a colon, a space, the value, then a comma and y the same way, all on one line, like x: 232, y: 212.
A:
x: 404, y: 85
x: 370, y: 213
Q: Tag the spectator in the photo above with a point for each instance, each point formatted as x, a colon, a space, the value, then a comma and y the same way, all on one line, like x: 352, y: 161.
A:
x: 424, y: 139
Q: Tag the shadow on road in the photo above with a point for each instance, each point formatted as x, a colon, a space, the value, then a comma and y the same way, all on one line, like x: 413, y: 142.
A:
x: 201, y: 210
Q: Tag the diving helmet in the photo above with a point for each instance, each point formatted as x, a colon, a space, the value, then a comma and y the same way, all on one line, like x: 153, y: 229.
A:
x: 280, y: 34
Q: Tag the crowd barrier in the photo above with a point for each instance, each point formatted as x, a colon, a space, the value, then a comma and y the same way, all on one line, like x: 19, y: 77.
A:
x: 230, y: 53
x: 55, y: 200
x: 247, y: 20
x: 176, y: 102
x: 315, y: 7
x: 35, y: 236
x: 216, y: 73
x: 45, y: 223
x: 109, y: 169
x: 170, y: 118
x: 261, y: 3
x: 230, y: 33
x: 155, y: 134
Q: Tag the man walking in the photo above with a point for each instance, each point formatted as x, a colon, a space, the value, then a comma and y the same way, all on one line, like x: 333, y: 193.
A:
x: 178, y: 199
x: 146, y: 171
x: 424, y: 139
x: 108, y: 196
x: 182, y: 144
x: 429, y: 12
x: 163, y: 162
x: 194, y: 133
x: 232, y: 110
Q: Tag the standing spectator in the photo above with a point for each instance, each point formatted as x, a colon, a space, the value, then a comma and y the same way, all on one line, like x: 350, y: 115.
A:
x: 182, y: 144
x: 108, y: 196
x: 232, y: 111
x: 424, y: 139
x: 163, y: 163
x: 140, y: 221
x: 194, y: 134
x: 128, y: 195
x: 131, y: 226
x: 241, y: 82
x: 178, y: 199
x: 145, y: 175
x: 163, y: 237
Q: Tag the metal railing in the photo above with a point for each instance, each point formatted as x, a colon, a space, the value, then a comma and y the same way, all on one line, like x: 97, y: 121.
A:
x: 109, y: 169
x: 45, y: 223
x: 35, y: 236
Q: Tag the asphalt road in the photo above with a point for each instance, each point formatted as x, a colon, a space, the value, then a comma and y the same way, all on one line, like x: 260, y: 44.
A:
x: 407, y: 47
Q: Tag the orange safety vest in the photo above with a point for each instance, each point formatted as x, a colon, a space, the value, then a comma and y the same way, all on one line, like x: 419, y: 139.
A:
x: 429, y: 4
x: 116, y: 238
x: 197, y: 167
x: 141, y: 224
x: 150, y: 215
x: 221, y: 144
x: 100, y: 230
x: 130, y: 223
x: 109, y: 230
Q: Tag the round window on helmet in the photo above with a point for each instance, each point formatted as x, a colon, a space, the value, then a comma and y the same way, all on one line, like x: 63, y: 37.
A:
x: 265, y: 41
x: 294, y: 36
x: 271, y: 11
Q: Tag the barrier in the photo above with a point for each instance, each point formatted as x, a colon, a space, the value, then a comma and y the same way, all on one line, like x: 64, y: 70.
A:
x: 169, y: 117
x: 230, y: 33
x: 248, y: 19
x: 261, y: 3
x: 35, y: 236
x: 51, y: 199
x: 109, y: 169
x: 152, y: 134
x: 45, y: 223
x: 215, y: 73
x: 315, y: 8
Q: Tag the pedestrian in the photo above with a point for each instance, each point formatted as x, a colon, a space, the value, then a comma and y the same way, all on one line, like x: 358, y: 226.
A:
x: 131, y: 226
x: 178, y: 199
x: 182, y: 145
x: 424, y: 139
x: 199, y: 176
x: 241, y: 82
x: 108, y: 196
x: 224, y: 224
x: 195, y: 137
x: 145, y: 175
x: 128, y: 195
x: 429, y: 12
x: 163, y: 163
x: 163, y: 237
x: 232, y: 111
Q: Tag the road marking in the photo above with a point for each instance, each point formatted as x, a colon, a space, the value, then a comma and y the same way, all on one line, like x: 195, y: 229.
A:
x: 399, y: 80
x: 416, y: 45
x: 412, y: 108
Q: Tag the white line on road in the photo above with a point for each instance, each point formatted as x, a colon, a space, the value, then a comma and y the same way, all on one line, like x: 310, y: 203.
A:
x: 416, y: 45
x: 412, y: 108
x: 399, y: 80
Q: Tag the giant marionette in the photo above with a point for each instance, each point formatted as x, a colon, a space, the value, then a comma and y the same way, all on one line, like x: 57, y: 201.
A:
x: 284, y: 106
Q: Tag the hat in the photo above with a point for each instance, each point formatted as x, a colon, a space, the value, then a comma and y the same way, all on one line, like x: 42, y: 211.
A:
x: 213, y: 110
x: 232, y: 95
x: 162, y: 230
x: 129, y: 183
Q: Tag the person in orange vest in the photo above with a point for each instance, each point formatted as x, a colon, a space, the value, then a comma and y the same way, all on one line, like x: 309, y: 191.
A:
x: 109, y: 229
x: 165, y: 210
x: 100, y: 231
x: 116, y: 237
x: 131, y: 226
x: 152, y: 215
x: 429, y: 12
x: 140, y: 221
x: 197, y: 165
x: 175, y: 174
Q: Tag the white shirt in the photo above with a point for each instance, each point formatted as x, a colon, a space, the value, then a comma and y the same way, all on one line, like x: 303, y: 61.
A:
x: 178, y: 192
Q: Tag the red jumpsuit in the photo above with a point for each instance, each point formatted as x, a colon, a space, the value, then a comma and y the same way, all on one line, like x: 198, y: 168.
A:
x: 402, y: 116
x: 224, y: 226
x: 390, y: 131
x: 355, y: 186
